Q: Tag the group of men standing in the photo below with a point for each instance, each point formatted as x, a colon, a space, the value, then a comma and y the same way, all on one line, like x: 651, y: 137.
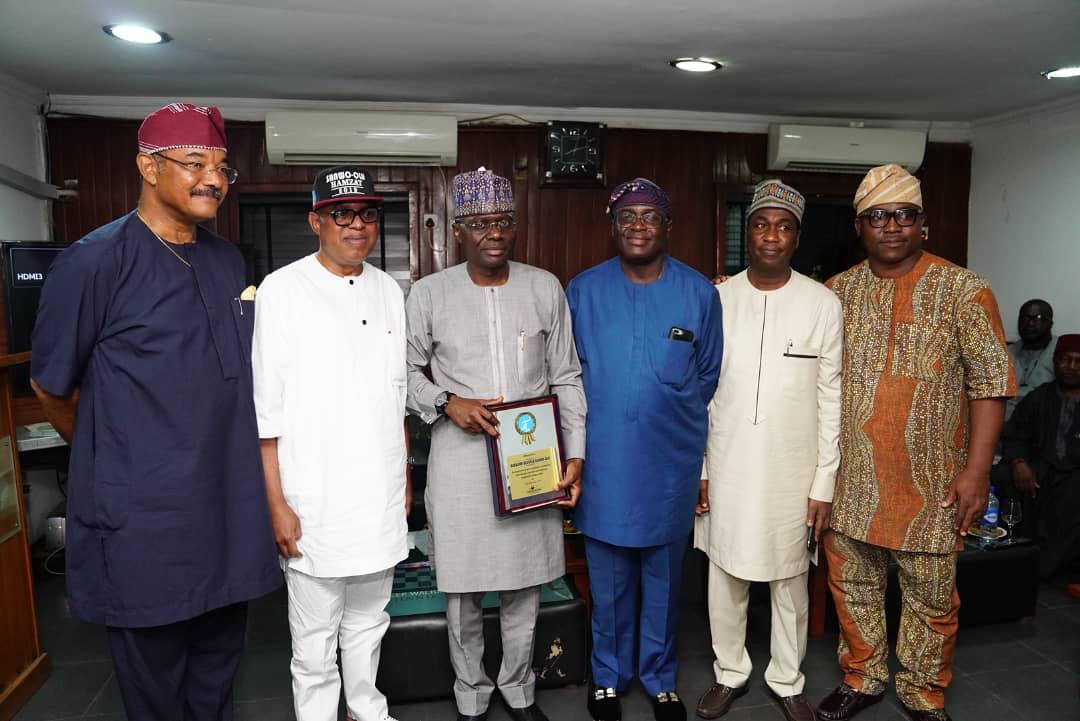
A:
x: 870, y: 408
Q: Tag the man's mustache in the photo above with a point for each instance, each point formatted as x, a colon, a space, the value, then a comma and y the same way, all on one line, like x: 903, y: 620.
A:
x: 211, y: 192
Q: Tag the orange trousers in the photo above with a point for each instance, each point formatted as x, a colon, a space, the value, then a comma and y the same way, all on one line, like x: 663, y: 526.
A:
x: 926, y: 640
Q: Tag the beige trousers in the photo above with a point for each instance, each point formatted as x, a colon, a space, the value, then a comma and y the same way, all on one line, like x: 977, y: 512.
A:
x: 790, y: 600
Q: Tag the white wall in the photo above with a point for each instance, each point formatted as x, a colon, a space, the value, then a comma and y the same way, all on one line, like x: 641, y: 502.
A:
x: 1025, y: 211
x: 22, y: 217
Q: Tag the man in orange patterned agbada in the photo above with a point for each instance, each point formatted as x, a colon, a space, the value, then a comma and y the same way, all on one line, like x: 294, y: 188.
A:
x: 925, y: 376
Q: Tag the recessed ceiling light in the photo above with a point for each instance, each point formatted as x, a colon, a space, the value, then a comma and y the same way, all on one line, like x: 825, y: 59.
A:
x: 1062, y: 73
x: 696, y: 65
x: 137, y: 34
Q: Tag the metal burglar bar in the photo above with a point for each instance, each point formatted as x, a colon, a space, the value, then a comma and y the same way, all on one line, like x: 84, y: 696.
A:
x: 274, y: 232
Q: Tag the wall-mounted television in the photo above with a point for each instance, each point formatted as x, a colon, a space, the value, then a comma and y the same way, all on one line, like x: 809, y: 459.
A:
x: 26, y: 264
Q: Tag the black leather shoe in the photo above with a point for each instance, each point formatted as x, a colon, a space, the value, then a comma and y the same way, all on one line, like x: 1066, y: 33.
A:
x: 603, y: 704
x: 934, y: 714
x: 529, y: 713
x: 844, y: 702
x: 717, y: 701
x: 667, y: 706
x: 794, y: 707
x: 478, y: 717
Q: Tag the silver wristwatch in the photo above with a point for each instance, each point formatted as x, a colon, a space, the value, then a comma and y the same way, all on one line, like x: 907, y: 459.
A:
x: 441, y: 401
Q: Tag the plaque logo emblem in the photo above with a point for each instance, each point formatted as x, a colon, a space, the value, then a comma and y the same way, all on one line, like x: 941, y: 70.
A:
x: 525, y: 425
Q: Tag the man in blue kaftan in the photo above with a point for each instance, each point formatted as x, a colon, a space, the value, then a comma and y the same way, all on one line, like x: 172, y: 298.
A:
x: 649, y: 335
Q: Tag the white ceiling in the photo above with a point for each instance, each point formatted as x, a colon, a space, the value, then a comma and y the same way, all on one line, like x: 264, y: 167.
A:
x: 949, y: 60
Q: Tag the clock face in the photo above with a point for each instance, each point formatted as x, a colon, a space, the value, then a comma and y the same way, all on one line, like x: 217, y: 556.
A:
x: 573, y: 152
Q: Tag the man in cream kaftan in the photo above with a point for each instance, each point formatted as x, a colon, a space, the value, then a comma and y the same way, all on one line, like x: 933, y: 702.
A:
x: 772, y: 451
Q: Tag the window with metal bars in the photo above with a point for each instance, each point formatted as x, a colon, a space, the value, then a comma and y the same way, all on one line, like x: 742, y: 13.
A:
x: 827, y: 244
x: 735, y: 259
x: 274, y: 232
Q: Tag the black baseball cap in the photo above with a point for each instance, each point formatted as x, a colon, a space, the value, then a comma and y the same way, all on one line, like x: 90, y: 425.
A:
x: 341, y: 184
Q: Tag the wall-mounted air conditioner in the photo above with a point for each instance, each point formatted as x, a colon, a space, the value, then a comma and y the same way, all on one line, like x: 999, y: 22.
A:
x: 364, y: 138
x: 824, y: 149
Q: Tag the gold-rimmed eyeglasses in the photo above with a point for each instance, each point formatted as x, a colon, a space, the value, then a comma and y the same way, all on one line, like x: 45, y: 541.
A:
x: 197, y: 168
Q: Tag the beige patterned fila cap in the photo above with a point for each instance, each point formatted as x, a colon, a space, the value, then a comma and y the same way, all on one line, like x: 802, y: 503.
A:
x: 887, y: 184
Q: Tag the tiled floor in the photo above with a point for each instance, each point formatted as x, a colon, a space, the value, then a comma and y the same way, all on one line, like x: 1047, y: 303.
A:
x: 1023, y: 671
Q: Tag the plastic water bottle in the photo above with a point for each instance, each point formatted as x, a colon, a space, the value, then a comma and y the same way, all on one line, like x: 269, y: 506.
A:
x: 990, y: 517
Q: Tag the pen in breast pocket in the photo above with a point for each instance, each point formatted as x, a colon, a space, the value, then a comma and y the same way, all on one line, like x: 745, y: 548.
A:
x: 239, y: 305
x: 521, y: 340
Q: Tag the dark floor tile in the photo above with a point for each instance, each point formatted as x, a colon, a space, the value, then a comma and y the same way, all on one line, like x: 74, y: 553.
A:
x: 69, y: 691
x: 989, y: 648
x: 694, y: 639
x: 768, y: 712
x: 1022, y: 671
x: 434, y: 711
x: 264, y: 674
x: 1055, y: 634
x: 1054, y: 595
x: 268, y: 627
x: 821, y: 666
x: 65, y: 638
x: 72, y: 641
x: 109, y: 700
x: 277, y: 709
x: 1032, y: 693
x: 50, y: 596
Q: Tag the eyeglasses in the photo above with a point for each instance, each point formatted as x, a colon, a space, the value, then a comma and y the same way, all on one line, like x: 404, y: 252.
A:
x: 481, y: 227
x: 879, y: 218
x: 651, y: 218
x: 196, y: 168
x: 344, y: 217
x: 1037, y: 318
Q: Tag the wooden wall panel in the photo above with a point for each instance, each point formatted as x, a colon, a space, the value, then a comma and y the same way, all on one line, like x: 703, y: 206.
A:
x: 561, y: 229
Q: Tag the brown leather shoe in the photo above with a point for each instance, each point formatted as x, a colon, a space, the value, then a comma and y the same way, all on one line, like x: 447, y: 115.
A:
x: 716, y: 702
x: 934, y: 714
x: 844, y: 702
x: 795, y: 707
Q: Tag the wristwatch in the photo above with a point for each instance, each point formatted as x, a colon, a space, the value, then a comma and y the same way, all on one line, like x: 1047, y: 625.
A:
x: 441, y: 401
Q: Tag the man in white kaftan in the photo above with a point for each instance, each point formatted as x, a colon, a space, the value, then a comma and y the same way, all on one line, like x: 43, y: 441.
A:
x: 329, y: 368
x: 772, y: 452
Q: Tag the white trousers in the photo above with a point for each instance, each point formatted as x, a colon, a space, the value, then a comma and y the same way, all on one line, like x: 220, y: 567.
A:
x: 790, y: 600
x: 328, y: 613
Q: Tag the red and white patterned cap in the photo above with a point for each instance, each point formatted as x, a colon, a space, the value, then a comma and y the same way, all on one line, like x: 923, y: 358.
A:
x: 182, y: 125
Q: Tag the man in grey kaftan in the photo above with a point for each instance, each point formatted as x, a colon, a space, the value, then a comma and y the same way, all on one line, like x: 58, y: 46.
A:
x: 488, y: 330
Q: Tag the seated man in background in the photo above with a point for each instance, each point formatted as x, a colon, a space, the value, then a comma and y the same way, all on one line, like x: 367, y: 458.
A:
x: 1042, y: 449
x: 1033, y: 354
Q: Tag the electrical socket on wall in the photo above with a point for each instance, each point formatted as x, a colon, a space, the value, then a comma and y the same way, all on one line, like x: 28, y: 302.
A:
x: 431, y: 220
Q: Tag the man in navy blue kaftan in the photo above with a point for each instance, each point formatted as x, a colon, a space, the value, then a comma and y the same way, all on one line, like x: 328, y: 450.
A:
x: 142, y: 360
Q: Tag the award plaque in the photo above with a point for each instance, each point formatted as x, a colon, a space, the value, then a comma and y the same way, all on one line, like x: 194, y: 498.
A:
x: 526, y: 460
